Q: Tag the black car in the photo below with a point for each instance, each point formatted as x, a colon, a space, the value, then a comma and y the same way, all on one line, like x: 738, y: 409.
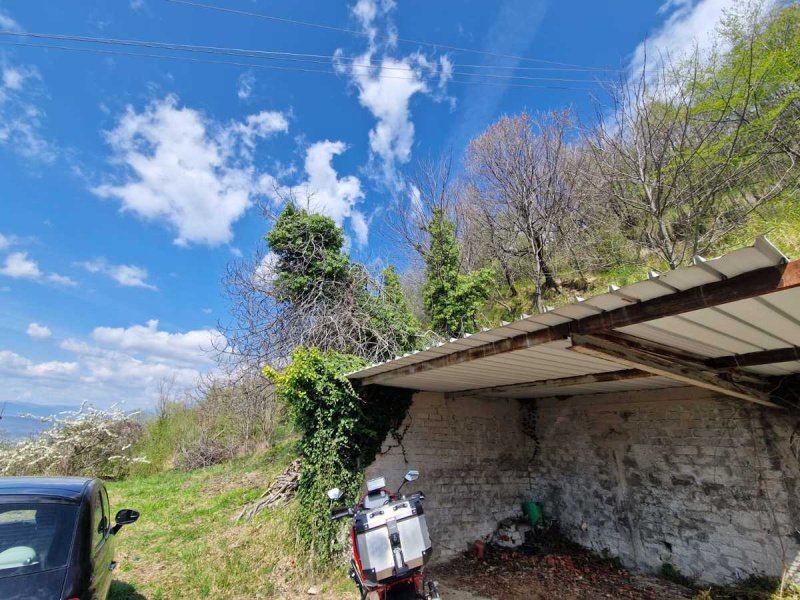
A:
x: 56, y: 538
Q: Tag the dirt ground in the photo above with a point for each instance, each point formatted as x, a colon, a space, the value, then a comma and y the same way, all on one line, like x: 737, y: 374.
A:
x: 516, y: 575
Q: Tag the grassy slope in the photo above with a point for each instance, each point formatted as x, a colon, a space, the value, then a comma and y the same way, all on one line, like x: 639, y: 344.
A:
x: 187, y: 544
x: 779, y: 221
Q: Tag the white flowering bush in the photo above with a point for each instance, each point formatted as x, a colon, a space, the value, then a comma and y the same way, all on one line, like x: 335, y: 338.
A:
x: 88, y: 442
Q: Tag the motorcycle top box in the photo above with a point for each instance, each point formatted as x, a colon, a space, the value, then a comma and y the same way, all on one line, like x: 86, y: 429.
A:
x: 392, y: 539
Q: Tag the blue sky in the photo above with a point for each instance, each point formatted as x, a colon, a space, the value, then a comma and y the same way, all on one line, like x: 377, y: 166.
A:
x: 130, y: 182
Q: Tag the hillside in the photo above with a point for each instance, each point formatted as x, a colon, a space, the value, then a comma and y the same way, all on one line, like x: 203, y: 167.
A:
x: 15, y: 424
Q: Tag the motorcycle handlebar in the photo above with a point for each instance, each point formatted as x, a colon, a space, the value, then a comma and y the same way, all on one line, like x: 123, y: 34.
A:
x: 341, y: 513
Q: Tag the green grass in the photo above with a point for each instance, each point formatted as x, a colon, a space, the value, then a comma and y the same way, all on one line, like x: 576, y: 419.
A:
x: 779, y: 221
x: 188, y: 545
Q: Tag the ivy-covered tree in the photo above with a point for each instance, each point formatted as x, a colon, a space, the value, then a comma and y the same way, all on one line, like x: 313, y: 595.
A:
x: 452, y: 298
x: 308, y: 247
x: 395, y: 312
x: 341, y: 429
x: 307, y: 292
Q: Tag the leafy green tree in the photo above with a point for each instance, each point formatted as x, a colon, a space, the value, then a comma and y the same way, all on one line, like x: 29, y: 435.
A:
x: 309, y: 251
x: 395, y: 314
x: 761, y: 71
x: 452, y: 298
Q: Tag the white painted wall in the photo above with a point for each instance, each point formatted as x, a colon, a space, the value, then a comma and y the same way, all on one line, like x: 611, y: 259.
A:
x: 706, y: 483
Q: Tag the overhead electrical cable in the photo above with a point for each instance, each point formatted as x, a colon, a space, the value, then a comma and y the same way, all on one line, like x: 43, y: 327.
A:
x: 356, y: 32
x: 270, y: 66
x: 272, y: 55
x: 255, y: 51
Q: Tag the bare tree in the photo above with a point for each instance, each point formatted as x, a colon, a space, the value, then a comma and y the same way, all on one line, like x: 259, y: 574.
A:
x: 672, y: 160
x: 522, y: 184
x: 166, y: 396
x: 242, y: 400
x: 431, y: 186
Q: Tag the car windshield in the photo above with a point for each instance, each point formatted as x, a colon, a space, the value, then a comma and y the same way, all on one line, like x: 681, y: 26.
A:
x: 35, y: 536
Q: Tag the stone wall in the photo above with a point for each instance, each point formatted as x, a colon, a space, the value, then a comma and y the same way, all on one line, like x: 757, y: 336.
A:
x: 708, y: 484
x: 474, y: 462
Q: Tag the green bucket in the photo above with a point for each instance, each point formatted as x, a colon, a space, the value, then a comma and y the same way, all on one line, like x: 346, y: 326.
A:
x: 533, y: 511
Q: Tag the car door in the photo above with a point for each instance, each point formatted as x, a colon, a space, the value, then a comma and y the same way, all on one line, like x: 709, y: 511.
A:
x: 102, y: 544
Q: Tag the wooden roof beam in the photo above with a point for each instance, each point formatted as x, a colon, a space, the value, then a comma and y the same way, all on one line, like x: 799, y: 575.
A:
x: 697, y: 374
x: 553, y: 383
x: 755, y: 359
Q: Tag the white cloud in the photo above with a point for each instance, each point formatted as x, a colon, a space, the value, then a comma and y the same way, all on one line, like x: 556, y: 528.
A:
x: 19, y: 266
x: 103, y: 368
x: 688, y: 24
x: 112, y: 365
x: 13, y: 78
x: 61, y: 280
x: 7, y: 23
x: 323, y: 191
x: 515, y: 25
x: 360, y: 227
x: 388, y: 97
x: 367, y: 11
x: 184, y: 169
x: 387, y: 87
x: 5, y: 241
x: 260, y: 126
x: 125, y: 275
x: 38, y: 332
x: 246, y: 83
x: 20, y: 118
x: 195, y: 346
x: 265, y: 272
x: 14, y: 365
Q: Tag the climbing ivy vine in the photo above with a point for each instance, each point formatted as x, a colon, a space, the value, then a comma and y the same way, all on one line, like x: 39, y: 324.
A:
x: 342, y: 430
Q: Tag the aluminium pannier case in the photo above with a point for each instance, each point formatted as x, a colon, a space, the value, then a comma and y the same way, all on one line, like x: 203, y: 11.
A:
x: 392, y: 539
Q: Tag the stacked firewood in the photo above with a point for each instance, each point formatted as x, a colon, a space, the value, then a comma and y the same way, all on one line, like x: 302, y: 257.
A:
x: 279, y: 493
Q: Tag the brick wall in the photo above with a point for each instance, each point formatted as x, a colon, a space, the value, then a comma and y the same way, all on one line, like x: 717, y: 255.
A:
x: 708, y: 484
x: 473, y: 460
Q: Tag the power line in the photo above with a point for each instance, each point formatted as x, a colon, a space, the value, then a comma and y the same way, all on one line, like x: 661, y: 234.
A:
x: 365, y: 34
x: 250, y: 51
x: 269, y: 55
x: 270, y: 67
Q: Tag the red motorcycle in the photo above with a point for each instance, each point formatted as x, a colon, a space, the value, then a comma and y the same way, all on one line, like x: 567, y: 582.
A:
x: 390, y: 542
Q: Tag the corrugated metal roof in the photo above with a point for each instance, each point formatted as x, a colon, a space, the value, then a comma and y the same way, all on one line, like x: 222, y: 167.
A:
x: 761, y: 323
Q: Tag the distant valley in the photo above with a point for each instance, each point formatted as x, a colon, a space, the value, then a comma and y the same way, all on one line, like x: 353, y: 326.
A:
x: 15, y: 427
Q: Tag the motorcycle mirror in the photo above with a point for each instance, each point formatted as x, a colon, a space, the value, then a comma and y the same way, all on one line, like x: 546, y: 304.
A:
x: 412, y: 475
x: 335, y: 494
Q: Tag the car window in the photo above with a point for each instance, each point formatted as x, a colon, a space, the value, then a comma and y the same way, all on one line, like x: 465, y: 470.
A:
x: 100, y: 519
x: 35, y: 536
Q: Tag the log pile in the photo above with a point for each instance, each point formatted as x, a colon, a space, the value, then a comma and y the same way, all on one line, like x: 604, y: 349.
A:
x: 279, y: 493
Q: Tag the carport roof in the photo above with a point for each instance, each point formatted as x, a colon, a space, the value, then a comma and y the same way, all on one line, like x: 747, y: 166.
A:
x: 731, y: 324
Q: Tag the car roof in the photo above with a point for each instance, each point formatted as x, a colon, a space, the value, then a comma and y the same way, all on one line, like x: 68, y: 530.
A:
x: 66, y: 488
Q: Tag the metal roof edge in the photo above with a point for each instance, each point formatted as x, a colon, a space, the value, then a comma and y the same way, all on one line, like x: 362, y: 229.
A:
x: 655, y: 285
